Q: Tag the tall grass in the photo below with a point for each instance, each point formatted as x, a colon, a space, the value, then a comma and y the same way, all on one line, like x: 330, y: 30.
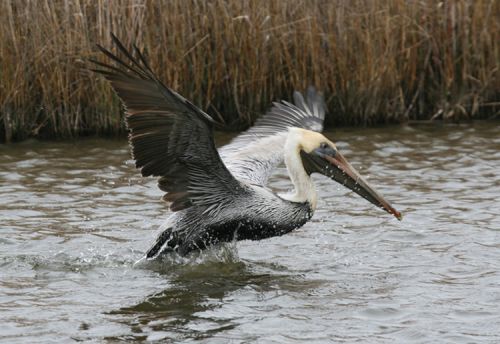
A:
x: 376, y: 61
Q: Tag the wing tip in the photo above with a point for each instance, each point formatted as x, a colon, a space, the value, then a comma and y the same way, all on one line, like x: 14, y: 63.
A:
x: 314, y: 102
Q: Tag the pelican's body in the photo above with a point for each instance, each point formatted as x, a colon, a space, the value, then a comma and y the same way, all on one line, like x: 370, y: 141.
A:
x: 257, y: 214
x: 219, y: 196
x: 253, y: 212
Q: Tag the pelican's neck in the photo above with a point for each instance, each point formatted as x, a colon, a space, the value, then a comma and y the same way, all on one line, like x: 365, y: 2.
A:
x: 305, y: 190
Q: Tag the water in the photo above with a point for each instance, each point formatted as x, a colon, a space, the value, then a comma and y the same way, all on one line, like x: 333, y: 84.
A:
x: 75, y: 217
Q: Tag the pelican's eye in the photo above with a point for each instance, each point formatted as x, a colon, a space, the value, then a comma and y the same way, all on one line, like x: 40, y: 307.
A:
x: 325, y: 149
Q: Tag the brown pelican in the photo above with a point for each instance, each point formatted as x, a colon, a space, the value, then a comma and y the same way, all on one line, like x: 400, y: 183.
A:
x: 221, y: 195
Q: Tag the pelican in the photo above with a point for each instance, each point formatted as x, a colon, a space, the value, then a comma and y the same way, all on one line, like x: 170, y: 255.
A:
x: 221, y: 195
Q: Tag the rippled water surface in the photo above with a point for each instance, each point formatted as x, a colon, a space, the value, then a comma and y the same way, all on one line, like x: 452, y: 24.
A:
x: 75, y: 217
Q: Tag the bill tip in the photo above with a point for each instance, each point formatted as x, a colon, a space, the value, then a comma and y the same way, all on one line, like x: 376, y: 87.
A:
x: 399, y: 216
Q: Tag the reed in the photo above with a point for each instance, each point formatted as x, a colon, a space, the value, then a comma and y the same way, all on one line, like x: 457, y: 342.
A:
x: 376, y: 61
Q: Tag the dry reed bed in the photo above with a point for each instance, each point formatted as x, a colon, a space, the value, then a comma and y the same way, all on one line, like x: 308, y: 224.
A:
x: 376, y: 61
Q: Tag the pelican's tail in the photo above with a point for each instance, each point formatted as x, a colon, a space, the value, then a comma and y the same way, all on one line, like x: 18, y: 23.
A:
x: 163, y: 243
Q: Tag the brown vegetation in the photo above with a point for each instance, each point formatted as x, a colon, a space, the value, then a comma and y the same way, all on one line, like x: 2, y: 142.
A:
x: 376, y: 61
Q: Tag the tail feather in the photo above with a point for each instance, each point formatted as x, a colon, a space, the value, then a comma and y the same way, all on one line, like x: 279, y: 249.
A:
x: 164, y: 238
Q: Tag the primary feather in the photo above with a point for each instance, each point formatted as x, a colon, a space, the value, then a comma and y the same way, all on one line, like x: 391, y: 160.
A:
x: 170, y: 137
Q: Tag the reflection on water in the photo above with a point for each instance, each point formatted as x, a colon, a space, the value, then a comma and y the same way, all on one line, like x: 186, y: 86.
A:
x: 76, y: 217
x: 194, y: 289
x: 184, y: 308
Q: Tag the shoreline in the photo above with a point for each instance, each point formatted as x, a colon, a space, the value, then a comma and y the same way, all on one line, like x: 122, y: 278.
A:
x: 231, y: 133
x: 376, y: 61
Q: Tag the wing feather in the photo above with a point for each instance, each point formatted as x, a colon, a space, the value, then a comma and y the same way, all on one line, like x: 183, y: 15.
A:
x: 170, y: 137
x: 254, y: 154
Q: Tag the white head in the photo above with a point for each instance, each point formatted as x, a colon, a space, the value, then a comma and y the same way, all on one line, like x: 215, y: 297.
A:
x: 308, y: 152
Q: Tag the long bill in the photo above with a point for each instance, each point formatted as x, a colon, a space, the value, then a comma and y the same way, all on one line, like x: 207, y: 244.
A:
x: 342, y: 172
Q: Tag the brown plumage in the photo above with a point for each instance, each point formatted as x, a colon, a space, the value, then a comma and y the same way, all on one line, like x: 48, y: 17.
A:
x: 170, y: 137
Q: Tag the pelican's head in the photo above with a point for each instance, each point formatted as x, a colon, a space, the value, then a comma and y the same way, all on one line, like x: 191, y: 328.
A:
x: 320, y: 155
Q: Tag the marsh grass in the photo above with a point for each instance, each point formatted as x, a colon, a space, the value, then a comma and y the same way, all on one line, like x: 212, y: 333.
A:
x: 376, y: 61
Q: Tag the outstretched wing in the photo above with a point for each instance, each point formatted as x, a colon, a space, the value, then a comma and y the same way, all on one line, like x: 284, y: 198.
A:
x: 253, y: 155
x: 170, y: 137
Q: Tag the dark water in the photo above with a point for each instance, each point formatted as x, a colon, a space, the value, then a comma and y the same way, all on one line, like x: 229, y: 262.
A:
x: 75, y: 217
